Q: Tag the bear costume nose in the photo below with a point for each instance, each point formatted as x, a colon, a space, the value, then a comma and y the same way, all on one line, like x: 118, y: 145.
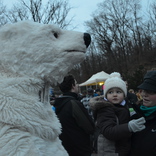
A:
x: 87, y: 39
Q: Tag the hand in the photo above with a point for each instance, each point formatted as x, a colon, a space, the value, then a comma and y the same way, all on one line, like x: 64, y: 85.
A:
x: 137, y: 124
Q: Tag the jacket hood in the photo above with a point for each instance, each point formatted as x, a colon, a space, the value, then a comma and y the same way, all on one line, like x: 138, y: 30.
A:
x: 98, y: 102
x: 60, y: 101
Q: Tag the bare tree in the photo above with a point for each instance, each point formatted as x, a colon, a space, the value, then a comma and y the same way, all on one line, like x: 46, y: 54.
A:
x: 123, y: 39
x: 54, y: 11
x: 2, y: 10
x: 111, y: 29
x: 151, y: 24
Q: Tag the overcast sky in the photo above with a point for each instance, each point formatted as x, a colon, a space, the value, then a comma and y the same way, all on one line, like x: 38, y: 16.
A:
x: 82, y: 10
x: 85, y: 8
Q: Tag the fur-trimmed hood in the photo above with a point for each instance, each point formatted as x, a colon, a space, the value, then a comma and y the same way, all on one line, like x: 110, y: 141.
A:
x: 99, y: 102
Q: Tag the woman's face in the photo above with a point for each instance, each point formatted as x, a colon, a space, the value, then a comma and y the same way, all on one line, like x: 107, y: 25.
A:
x: 115, y: 95
x: 149, y: 98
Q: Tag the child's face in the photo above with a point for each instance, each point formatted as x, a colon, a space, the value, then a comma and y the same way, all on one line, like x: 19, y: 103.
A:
x: 149, y: 98
x: 115, y: 95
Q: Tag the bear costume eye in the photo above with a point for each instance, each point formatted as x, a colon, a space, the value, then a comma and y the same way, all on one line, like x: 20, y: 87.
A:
x: 55, y: 34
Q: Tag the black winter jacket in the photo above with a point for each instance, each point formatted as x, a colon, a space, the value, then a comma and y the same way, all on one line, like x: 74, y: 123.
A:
x: 144, y: 142
x: 76, y: 125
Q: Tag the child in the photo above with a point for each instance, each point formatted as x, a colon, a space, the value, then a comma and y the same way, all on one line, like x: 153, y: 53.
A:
x: 112, y: 117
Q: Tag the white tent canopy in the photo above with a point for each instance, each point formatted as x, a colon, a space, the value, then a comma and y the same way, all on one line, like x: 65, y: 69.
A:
x: 95, y: 79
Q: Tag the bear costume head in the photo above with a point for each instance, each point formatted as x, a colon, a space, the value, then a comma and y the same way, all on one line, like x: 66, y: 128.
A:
x: 42, y: 51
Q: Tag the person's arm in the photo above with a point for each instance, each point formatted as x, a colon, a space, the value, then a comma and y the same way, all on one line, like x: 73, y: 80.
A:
x: 82, y: 118
x: 108, y: 123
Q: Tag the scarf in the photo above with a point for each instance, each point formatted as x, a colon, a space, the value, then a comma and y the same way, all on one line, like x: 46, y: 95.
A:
x: 148, y: 110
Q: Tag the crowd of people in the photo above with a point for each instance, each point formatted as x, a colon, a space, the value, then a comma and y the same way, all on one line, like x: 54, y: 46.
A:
x: 115, y: 122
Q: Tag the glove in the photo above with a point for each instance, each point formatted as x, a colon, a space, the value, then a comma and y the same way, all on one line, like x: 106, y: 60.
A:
x: 136, y: 124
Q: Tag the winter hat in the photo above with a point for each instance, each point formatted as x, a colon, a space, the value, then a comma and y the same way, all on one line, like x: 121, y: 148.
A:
x: 115, y: 80
x: 149, y: 82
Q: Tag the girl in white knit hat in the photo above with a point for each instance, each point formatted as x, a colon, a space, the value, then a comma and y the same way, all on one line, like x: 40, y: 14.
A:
x: 113, y: 118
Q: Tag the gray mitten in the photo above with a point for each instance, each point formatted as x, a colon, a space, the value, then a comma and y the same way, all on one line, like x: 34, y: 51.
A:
x: 136, y: 124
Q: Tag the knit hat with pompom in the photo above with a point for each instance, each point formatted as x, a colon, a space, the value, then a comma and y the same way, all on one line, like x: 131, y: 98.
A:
x: 115, y: 80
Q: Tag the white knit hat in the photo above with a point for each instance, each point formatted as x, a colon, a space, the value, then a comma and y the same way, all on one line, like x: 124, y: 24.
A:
x: 115, y: 80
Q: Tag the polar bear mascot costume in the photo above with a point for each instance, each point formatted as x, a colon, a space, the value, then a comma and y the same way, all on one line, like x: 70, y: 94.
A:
x: 32, y: 57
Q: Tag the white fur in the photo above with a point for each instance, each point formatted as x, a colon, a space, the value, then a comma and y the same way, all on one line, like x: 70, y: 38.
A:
x: 40, y: 53
x: 31, y: 59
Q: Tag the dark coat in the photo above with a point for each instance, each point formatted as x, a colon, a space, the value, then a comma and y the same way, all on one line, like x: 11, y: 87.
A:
x: 144, y: 142
x: 131, y: 98
x: 76, y: 125
x: 112, y: 120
